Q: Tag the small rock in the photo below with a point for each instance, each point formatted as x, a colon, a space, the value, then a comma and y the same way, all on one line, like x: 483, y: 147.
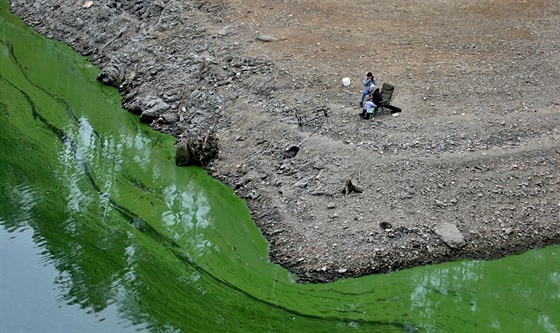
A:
x: 450, y: 235
x: 227, y: 30
x: 440, y: 203
x: 266, y: 38
x: 301, y: 184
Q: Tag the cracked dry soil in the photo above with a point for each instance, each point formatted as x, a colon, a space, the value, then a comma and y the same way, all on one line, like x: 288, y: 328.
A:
x: 468, y: 169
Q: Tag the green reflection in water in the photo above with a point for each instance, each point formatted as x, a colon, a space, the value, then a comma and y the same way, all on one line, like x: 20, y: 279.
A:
x: 144, y: 245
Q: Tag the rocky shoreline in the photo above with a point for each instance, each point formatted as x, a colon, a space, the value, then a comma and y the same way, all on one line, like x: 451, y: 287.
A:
x: 468, y: 170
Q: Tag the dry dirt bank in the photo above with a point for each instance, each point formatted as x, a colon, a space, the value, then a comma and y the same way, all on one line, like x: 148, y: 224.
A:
x: 469, y: 169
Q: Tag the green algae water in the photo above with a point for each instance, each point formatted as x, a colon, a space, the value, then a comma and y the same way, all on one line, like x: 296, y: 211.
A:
x: 101, y: 232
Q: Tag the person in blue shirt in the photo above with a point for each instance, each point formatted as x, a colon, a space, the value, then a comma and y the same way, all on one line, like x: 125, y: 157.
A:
x: 368, y: 81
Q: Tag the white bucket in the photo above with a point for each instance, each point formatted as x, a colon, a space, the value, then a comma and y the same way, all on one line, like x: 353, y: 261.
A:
x: 346, y: 81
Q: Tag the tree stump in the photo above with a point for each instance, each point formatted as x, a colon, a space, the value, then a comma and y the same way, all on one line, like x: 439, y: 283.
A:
x: 349, y: 187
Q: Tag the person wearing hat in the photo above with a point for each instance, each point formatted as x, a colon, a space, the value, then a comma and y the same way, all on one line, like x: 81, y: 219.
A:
x: 370, y: 108
x: 368, y: 81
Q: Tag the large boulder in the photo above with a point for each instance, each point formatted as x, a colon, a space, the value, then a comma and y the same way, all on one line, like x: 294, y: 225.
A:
x: 196, y: 150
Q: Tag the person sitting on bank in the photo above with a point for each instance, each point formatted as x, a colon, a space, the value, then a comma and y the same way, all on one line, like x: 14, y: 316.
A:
x: 370, y: 108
